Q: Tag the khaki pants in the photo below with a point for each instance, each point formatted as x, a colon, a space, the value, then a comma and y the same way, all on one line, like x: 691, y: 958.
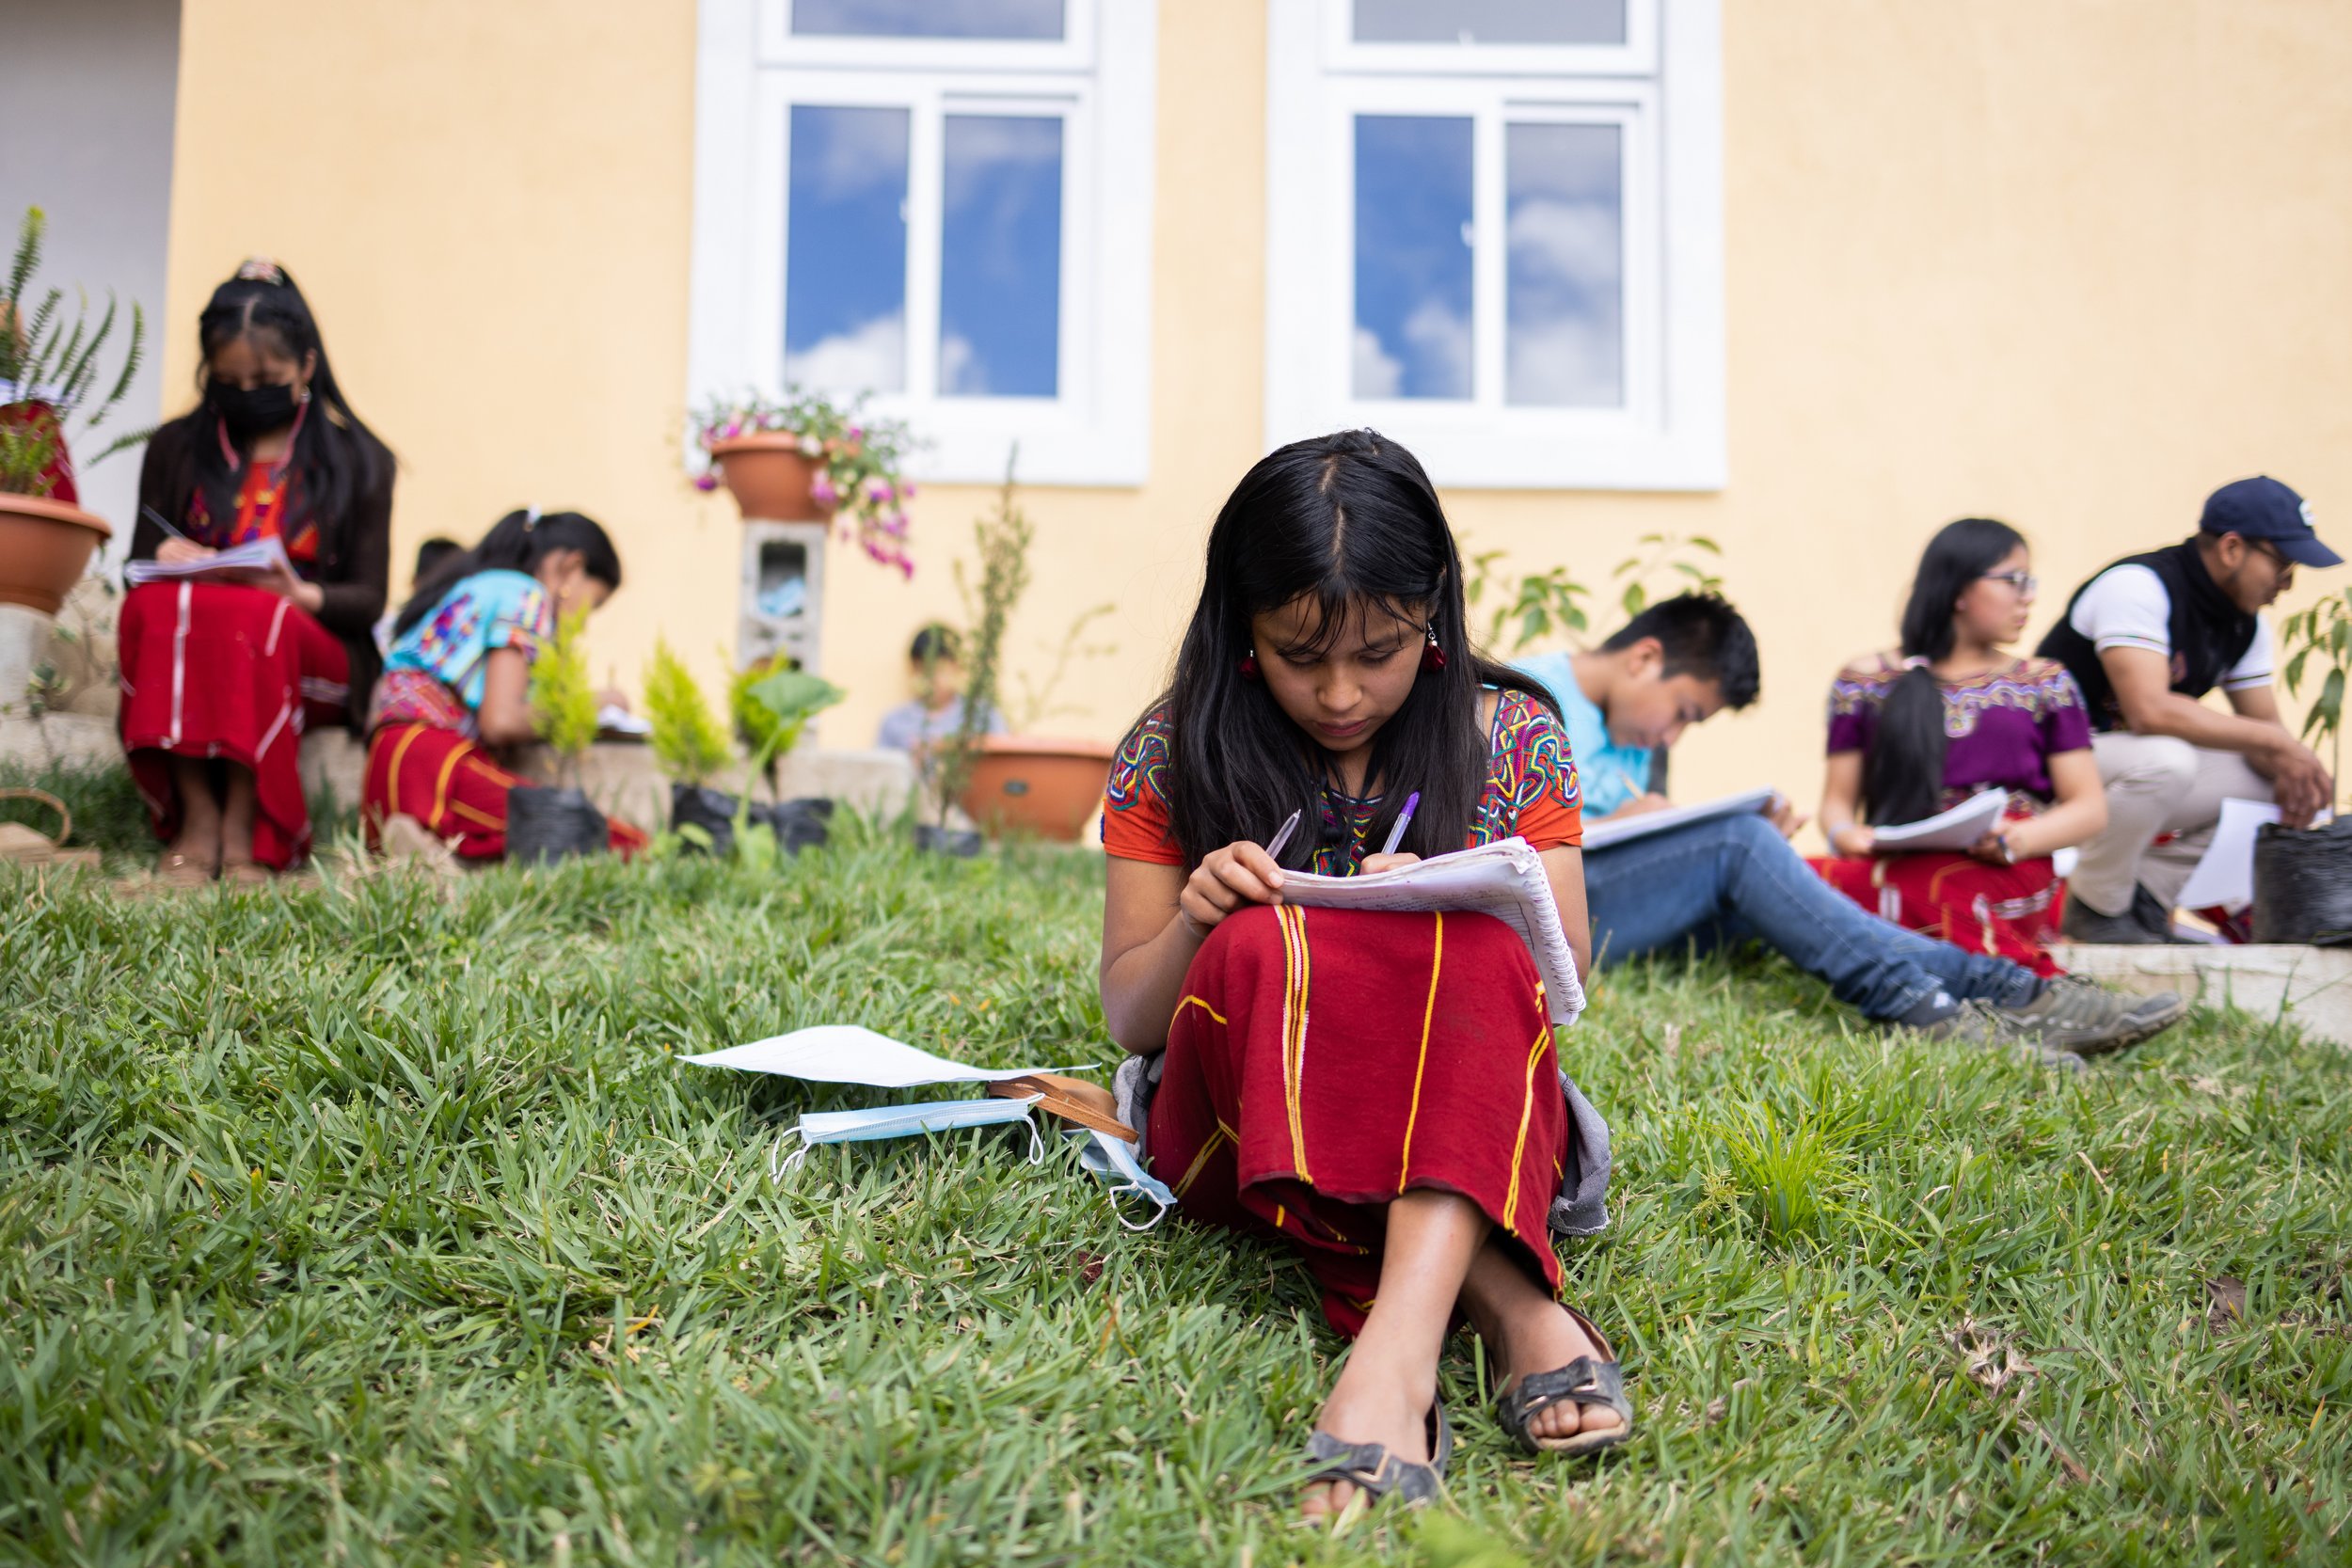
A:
x: 2157, y: 784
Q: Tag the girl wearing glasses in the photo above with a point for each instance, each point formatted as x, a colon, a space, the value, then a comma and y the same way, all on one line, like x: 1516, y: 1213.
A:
x: 1949, y: 713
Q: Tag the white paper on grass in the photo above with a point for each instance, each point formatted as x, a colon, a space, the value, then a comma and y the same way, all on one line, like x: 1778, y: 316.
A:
x: 1618, y: 829
x: 265, y: 554
x: 1504, y: 878
x: 1956, y: 829
x: 852, y: 1054
x: 2225, y: 872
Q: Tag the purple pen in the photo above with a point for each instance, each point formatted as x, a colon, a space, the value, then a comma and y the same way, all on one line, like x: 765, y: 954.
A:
x: 1404, y: 820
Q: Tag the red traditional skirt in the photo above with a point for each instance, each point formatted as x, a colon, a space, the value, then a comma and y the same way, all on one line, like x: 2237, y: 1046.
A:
x: 1323, y: 1061
x: 449, y: 784
x: 2006, y: 911
x: 220, y: 670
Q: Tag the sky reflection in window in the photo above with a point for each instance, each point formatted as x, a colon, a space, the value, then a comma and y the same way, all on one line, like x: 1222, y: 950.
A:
x: 846, y: 275
x: 1412, y: 329
x: 927, y: 19
x: 1000, y: 256
x: 1564, y: 319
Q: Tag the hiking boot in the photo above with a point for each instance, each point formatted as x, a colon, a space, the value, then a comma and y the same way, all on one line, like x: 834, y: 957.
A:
x: 2072, y: 1014
x: 2083, y: 923
x: 2156, y: 918
x: 1940, y: 1018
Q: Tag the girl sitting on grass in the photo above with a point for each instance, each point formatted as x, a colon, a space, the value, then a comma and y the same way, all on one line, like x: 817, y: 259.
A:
x: 1949, y: 713
x: 457, y: 679
x: 1377, y: 1090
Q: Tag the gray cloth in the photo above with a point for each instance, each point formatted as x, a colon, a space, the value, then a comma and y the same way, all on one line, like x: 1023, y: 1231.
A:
x: 1580, y: 1207
x: 912, y: 724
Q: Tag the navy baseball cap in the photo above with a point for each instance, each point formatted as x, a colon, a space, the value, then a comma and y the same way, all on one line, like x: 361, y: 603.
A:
x: 2264, y: 509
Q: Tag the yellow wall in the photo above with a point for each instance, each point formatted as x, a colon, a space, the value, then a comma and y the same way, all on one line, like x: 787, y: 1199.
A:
x: 2050, y: 261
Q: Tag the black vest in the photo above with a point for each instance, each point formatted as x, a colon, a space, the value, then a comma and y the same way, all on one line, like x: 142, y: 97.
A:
x: 2209, y: 634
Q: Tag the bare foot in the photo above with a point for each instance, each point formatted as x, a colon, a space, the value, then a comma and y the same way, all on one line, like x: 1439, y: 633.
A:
x: 1378, y: 1398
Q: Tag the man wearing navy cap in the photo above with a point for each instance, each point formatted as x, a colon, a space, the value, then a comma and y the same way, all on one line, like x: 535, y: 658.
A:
x: 2146, y: 639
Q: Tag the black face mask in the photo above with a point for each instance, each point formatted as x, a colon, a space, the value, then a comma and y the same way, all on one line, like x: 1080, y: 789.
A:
x: 248, y: 411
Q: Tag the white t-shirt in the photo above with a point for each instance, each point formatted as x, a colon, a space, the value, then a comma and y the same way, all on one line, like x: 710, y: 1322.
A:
x: 2126, y: 607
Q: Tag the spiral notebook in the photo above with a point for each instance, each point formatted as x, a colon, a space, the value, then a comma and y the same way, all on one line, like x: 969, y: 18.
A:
x: 1504, y: 878
x: 266, y: 554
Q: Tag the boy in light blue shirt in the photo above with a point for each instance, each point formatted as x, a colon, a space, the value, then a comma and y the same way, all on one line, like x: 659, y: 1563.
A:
x: 1679, y: 663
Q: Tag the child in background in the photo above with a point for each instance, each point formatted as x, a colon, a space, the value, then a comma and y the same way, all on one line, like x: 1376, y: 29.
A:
x: 430, y: 555
x: 935, y: 671
x: 1946, y: 714
x: 457, y: 679
x: 1375, y: 1091
x: 1707, y: 885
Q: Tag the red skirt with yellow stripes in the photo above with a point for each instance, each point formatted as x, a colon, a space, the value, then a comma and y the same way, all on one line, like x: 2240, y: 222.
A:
x: 1323, y: 1061
x: 450, y: 785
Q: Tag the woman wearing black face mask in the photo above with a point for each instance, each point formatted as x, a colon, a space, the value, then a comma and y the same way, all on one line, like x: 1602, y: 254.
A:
x: 223, y: 672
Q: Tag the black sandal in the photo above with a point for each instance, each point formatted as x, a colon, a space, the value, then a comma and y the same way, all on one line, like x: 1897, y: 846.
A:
x: 1376, y: 1472
x: 1582, y: 1381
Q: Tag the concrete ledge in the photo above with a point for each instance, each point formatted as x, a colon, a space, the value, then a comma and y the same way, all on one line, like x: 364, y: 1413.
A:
x: 618, y: 776
x: 2308, y: 987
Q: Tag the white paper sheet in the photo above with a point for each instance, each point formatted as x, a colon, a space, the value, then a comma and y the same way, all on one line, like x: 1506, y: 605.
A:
x: 260, y: 555
x: 614, y: 719
x: 1504, y: 878
x: 2225, y: 874
x: 1600, y: 836
x: 1956, y: 829
x: 851, y: 1053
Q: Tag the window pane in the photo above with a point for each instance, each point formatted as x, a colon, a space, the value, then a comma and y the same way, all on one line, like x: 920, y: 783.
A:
x: 845, y: 292
x: 927, y: 19
x: 1565, y: 318
x: 1490, y: 20
x: 1000, y: 257
x: 1412, y: 257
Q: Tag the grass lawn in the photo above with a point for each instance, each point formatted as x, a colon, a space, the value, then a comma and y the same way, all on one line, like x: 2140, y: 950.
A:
x: 356, y: 1223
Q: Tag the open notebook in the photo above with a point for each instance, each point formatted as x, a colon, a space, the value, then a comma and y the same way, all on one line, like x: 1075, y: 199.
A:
x: 1504, y: 879
x: 1956, y: 829
x: 264, y: 554
x: 1618, y: 829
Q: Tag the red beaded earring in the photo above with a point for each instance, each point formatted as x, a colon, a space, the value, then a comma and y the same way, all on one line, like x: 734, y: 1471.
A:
x: 1431, y: 657
x: 1249, y: 665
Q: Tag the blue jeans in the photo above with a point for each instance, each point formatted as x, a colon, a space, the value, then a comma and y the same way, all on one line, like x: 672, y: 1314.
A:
x: 1712, y: 883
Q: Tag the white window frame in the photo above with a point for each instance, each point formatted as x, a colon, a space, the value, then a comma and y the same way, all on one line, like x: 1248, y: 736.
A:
x: 1100, y: 80
x: 1663, y: 88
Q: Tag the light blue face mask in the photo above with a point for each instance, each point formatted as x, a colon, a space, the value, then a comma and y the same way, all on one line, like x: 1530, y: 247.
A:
x: 1114, y: 1160
x: 902, y: 1121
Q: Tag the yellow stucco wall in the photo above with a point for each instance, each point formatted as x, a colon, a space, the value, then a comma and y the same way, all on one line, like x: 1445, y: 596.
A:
x: 2068, y: 263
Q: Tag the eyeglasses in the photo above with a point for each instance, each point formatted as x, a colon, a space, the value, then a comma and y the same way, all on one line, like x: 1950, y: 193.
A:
x: 2024, y: 582
x: 2286, y: 567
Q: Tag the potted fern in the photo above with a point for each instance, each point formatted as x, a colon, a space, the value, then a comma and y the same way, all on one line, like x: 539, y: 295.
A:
x: 690, y: 747
x: 2303, y: 876
x: 49, y: 372
x: 551, y: 822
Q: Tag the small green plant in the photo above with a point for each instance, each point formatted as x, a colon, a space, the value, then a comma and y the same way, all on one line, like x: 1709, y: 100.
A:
x: 1547, y: 605
x: 1002, y: 538
x: 563, y: 699
x: 1035, y: 705
x: 2323, y: 632
x: 46, y: 360
x: 689, y: 743
x: 772, y: 702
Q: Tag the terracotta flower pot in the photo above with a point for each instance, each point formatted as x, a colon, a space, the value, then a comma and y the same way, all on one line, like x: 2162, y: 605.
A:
x: 769, y: 476
x: 1028, y: 782
x: 45, y: 546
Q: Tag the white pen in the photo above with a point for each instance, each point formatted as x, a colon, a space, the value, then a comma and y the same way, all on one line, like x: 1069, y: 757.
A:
x: 1404, y: 820
x: 1283, y: 837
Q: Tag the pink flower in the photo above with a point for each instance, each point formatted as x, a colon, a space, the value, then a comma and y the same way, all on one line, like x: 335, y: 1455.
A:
x: 821, y: 490
x: 877, y: 489
x: 855, y: 433
x: 705, y: 482
x: 906, y: 492
x: 733, y: 429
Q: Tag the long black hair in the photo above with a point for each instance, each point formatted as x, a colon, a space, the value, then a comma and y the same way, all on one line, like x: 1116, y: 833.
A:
x: 517, y: 542
x: 1902, y: 773
x: 336, y: 457
x: 1343, y: 519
